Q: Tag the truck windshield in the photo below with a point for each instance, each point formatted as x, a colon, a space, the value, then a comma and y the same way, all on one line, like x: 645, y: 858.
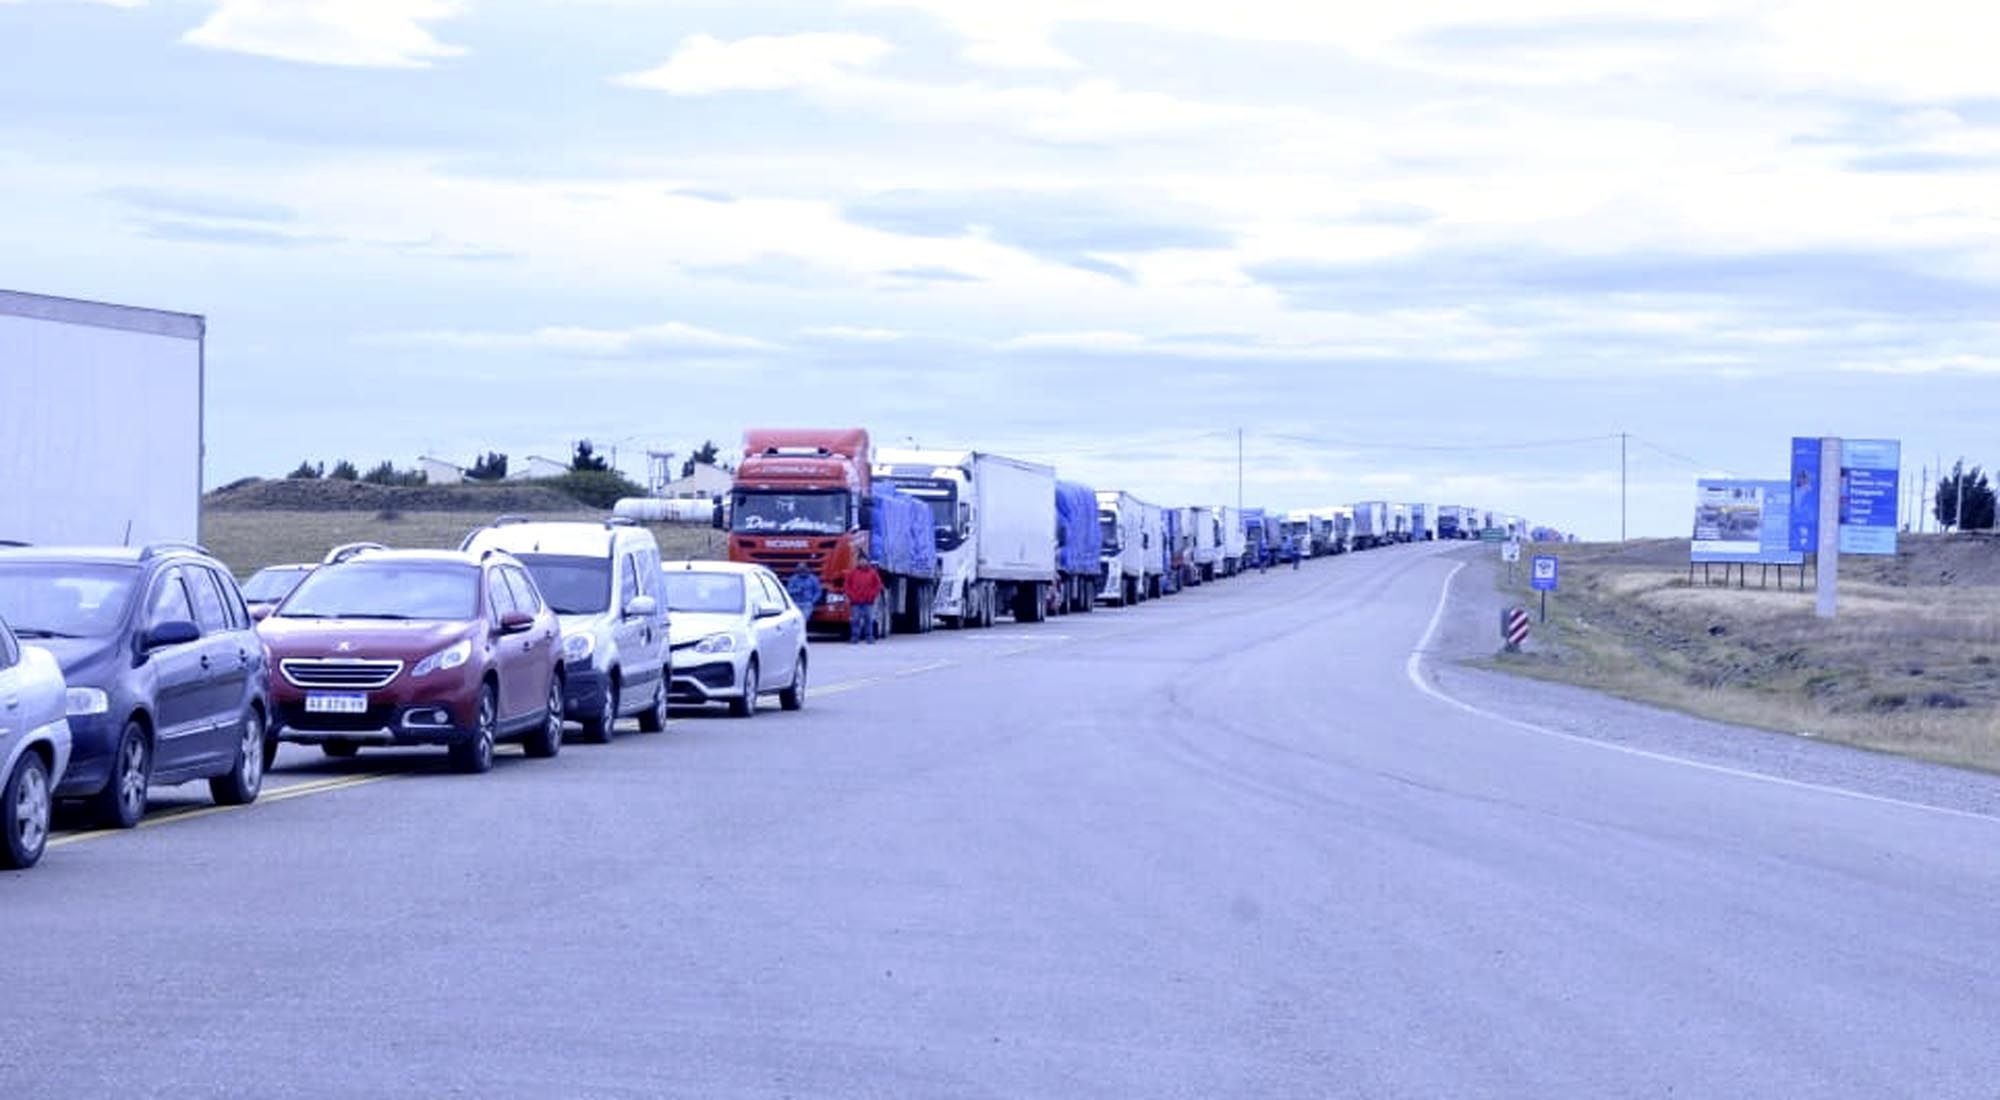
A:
x: 572, y: 585
x: 1109, y: 521
x: 65, y: 599
x: 942, y: 498
x: 807, y: 513
x: 363, y: 589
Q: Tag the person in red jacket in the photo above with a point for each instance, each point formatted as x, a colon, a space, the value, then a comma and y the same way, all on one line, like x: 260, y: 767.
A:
x: 864, y: 587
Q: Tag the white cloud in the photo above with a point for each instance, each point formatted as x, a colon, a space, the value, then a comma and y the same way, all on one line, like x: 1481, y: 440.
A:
x: 390, y: 34
x: 704, y: 65
x: 670, y: 336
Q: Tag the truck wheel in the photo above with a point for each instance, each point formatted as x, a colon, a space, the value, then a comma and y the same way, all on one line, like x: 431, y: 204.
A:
x: 987, y: 610
x: 24, y: 813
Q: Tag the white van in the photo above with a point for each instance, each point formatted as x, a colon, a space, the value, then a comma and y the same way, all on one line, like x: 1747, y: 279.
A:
x: 603, y: 582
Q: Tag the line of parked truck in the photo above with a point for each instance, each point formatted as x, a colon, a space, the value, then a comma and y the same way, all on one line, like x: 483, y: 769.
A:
x: 962, y: 537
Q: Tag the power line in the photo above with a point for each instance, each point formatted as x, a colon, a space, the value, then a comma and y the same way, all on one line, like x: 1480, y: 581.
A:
x: 1520, y: 445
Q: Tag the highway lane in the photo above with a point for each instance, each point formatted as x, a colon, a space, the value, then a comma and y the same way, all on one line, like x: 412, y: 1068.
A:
x: 1218, y: 845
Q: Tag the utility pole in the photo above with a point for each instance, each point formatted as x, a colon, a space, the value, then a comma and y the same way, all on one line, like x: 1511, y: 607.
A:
x: 1621, y: 486
x: 1239, y: 474
x: 1958, y: 477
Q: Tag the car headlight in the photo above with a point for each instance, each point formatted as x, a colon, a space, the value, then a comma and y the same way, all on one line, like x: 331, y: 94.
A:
x: 579, y: 647
x: 716, y: 643
x: 81, y: 702
x: 444, y: 660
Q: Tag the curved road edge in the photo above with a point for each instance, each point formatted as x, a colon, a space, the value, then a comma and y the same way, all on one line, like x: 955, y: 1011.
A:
x: 1533, y: 707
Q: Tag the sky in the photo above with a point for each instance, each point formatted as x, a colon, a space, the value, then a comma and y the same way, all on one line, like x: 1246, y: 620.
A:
x: 1429, y: 250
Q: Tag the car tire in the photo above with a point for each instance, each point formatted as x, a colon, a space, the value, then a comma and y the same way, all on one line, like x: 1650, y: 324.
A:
x: 794, y: 697
x: 474, y: 755
x: 240, y: 785
x: 603, y: 726
x: 340, y: 750
x: 25, y: 807
x: 746, y: 707
x: 654, y: 718
x: 547, y: 740
x: 122, y: 802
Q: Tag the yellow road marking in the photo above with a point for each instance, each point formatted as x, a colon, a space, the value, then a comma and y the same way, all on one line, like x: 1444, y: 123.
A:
x: 296, y: 790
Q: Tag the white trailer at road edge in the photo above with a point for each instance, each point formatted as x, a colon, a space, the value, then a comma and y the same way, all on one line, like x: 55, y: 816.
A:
x: 100, y: 422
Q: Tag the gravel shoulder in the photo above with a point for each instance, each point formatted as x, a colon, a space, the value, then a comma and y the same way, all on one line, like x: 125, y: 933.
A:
x: 1469, y: 632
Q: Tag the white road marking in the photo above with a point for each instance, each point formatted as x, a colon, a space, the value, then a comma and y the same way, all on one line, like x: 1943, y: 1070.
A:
x: 1414, y: 669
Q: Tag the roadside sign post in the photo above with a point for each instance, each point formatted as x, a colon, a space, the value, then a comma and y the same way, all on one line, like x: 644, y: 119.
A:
x: 1826, y: 566
x: 1546, y: 571
x: 1510, y: 552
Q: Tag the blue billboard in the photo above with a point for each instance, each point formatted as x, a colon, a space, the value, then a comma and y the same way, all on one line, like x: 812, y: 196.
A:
x: 1743, y: 521
x: 1870, y: 482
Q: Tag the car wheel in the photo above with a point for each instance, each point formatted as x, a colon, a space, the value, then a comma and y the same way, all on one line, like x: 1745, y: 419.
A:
x: 547, y: 740
x: 654, y: 718
x: 794, y: 697
x: 122, y: 802
x: 603, y: 726
x: 24, y: 814
x: 239, y: 786
x: 746, y: 707
x: 475, y: 754
x: 341, y: 750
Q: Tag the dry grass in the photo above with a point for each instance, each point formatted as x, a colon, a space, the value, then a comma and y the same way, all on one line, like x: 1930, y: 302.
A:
x: 1912, y: 664
x: 249, y: 541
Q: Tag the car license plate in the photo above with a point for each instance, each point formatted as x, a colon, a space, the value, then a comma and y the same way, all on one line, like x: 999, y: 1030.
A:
x: 329, y: 702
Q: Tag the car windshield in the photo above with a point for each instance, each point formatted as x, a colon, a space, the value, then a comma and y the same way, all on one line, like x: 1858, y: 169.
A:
x: 808, y: 513
x: 705, y: 592
x: 65, y: 599
x: 273, y: 584
x: 572, y: 585
x: 363, y: 589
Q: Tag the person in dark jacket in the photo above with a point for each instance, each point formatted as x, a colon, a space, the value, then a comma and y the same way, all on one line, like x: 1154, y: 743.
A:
x: 864, y: 587
x: 805, y: 588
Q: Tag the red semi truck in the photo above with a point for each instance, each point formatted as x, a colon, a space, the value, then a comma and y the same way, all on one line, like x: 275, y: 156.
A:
x: 808, y: 496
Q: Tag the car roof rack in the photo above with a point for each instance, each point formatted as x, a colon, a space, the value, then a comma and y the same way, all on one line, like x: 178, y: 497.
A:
x: 510, y: 519
x: 15, y: 542
x: 349, y: 550
x: 170, y: 546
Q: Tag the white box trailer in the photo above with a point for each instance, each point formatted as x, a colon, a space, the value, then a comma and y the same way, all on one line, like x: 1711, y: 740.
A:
x: 1153, y: 521
x: 1371, y: 524
x: 100, y: 422
x: 1234, y: 543
x: 1005, y: 559
x: 1205, y: 527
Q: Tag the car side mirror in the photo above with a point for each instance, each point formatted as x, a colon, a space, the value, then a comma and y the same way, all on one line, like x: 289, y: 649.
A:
x: 641, y: 607
x: 171, y: 632
x: 716, y: 518
x: 516, y: 622
x: 262, y: 611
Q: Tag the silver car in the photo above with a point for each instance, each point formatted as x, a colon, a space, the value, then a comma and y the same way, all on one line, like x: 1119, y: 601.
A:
x: 737, y: 636
x: 34, y: 747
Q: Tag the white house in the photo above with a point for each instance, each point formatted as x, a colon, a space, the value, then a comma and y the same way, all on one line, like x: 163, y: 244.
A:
x: 706, y: 483
x: 535, y: 467
x: 439, y: 472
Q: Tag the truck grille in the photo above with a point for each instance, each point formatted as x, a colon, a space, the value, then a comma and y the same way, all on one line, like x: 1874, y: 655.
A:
x: 339, y: 673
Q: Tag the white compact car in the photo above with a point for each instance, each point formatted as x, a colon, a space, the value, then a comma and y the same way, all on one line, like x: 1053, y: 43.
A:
x: 737, y: 636
x: 602, y: 579
x: 34, y: 747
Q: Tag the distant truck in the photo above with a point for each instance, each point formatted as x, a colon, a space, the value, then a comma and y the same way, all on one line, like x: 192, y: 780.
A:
x: 1154, y: 521
x: 1260, y: 538
x: 1371, y: 525
x: 1399, y: 523
x: 1454, y: 522
x: 996, y: 530
x: 1206, y: 545
x: 1423, y: 522
x: 1122, y: 518
x: 1234, y: 544
x: 101, y: 407
x: 1079, y: 548
x: 807, y: 497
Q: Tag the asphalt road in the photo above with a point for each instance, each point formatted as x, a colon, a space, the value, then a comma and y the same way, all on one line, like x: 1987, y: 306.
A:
x: 1222, y: 845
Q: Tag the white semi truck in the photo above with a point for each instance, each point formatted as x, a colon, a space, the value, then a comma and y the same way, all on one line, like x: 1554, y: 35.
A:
x: 1371, y: 525
x: 1154, y: 521
x: 1123, y: 518
x: 1205, y: 525
x: 1002, y: 557
x: 100, y: 422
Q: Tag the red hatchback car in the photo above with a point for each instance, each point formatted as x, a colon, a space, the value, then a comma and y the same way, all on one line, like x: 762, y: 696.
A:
x: 417, y: 647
